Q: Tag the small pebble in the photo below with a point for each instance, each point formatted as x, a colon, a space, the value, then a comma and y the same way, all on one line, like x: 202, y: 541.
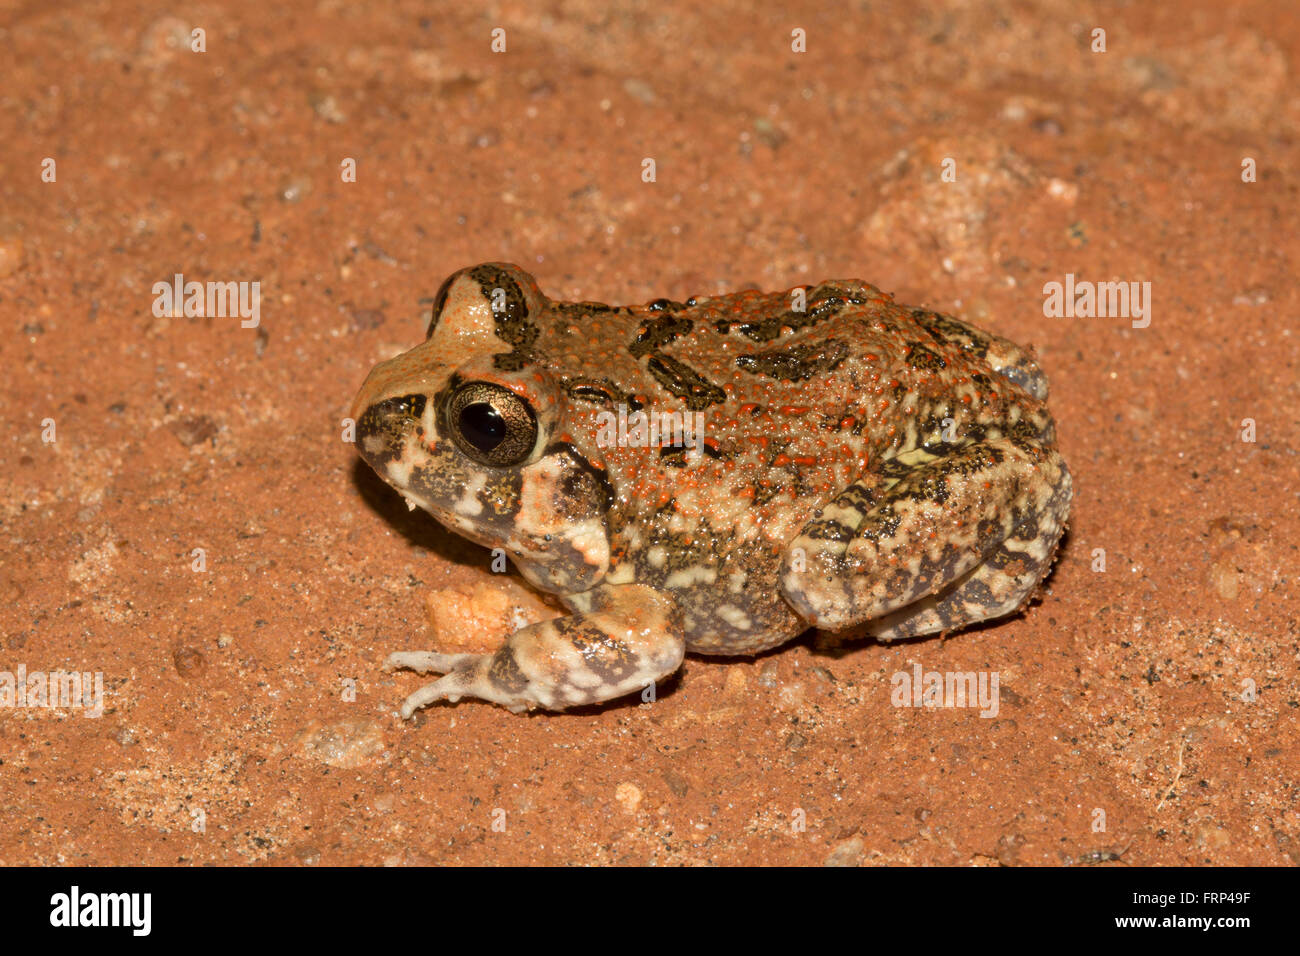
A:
x: 11, y: 256
x: 193, y: 429
x: 629, y: 795
x: 189, y: 662
x: 846, y: 853
x: 348, y: 743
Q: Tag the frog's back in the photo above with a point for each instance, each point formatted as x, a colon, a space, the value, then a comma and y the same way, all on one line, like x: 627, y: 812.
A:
x: 795, y: 398
x: 792, y: 397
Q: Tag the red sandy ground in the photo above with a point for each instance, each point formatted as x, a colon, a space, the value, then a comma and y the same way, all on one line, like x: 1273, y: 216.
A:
x: 1124, y: 730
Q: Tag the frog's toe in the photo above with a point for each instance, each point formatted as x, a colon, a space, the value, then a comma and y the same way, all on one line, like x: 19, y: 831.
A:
x: 451, y: 688
x: 423, y: 697
x: 426, y: 662
x: 464, y: 675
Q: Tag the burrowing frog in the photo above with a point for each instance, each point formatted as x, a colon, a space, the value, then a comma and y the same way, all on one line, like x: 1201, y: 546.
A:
x: 715, y: 475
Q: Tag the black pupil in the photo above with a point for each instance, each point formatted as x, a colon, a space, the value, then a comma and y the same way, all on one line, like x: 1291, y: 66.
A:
x: 482, y: 426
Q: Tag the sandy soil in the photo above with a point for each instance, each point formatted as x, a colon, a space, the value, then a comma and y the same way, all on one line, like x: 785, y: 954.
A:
x: 1148, y: 705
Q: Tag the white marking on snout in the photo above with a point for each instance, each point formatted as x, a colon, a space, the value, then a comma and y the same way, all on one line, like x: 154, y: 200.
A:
x: 469, y: 504
x: 399, y: 472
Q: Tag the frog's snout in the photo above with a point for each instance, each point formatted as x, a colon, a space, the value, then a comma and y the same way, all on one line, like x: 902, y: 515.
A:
x: 382, y: 428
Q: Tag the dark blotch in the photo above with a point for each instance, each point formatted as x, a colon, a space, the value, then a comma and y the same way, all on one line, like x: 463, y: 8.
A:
x: 684, y: 382
x: 796, y: 363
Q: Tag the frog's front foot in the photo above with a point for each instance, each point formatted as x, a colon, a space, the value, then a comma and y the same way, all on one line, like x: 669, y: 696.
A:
x: 464, y: 675
x: 631, y: 638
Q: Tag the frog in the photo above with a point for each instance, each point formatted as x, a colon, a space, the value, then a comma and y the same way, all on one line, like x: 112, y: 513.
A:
x: 824, y: 457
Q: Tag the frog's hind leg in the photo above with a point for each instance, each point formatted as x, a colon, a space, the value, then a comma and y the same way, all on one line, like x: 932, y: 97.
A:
x: 964, y: 537
x: 629, y: 637
x: 1001, y: 584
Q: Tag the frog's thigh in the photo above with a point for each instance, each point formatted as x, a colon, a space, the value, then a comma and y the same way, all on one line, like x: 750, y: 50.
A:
x: 997, y: 586
x: 875, y: 550
x: 630, y: 638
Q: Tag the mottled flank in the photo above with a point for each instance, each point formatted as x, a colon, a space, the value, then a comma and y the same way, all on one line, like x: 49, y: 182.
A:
x: 850, y: 464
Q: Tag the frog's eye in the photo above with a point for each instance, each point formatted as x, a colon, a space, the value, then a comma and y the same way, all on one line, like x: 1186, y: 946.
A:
x: 491, y: 424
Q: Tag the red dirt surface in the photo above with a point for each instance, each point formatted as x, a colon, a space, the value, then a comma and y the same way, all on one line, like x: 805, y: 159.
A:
x: 1148, y: 711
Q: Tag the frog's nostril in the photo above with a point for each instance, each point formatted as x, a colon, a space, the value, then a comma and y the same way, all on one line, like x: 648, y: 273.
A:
x: 408, y: 406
